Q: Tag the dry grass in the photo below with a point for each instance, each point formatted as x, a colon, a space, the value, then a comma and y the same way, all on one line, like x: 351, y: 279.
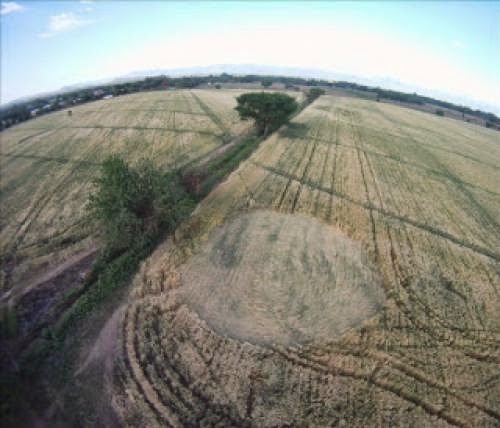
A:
x: 48, y: 164
x: 415, y: 196
x: 275, y: 278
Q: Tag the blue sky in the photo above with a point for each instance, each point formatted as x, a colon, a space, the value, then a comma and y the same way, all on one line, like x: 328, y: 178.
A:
x: 446, y: 49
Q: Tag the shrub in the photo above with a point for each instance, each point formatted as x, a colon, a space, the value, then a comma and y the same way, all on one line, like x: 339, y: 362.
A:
x: 439, y: 112
x: 135, y: 204
x: 314, y: 93
x: 266, y: 83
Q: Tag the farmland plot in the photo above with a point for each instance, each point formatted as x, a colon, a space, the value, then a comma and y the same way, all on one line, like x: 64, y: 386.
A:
x: 48, y: 164
x: 346, y: 274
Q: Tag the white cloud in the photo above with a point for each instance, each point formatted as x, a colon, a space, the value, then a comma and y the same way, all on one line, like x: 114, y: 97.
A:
x: 86, y: 1
x: 64, y: 22
x: 10, y: 7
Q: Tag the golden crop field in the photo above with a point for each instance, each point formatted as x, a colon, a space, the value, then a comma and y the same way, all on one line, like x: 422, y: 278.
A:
x: 47, y: 164
x: 346, y: 274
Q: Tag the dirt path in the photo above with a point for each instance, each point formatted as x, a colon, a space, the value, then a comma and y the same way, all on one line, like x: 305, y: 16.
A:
x: 105, y: 348
x: 16, y: 293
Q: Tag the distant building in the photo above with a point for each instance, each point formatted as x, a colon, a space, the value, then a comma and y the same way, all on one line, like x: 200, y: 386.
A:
x: 47, y: 107
x: 34, y: 112
x: 98, y: 92
x: 107, y: 97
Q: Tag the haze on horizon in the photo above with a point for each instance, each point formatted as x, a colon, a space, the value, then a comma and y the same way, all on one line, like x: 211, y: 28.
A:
x: 447, y: 50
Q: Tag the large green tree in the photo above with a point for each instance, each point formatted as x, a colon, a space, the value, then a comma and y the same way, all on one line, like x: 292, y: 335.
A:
x: 269, y: 110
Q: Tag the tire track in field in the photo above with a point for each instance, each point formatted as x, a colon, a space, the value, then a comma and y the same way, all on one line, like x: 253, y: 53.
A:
x: 384, y: 134
x: 51, y: 159
x: 267, y: 182
x: 38, y: 206
x: 140, y: 128
x: 334, y: 171
x: 367, y: 193
x: 322, y: 175
x: 144, y: 110
x: 419, y: 376
x: 371, y: 378
x: 191, y: 405
x: 478, y: 212
x: 422, y: 226
x: 289, y: 182
x: 307, y: 167
x: 135, y: 372
x: 398, y: 159
x: 29, y: 137
x: 211, y: 114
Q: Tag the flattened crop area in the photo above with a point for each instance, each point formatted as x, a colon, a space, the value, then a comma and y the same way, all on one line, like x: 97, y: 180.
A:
x: 47, y: 164
x: 277, y: 278
x: 346, y: 274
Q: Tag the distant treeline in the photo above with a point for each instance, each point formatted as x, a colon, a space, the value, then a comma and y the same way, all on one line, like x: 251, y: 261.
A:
x: 21, y: 111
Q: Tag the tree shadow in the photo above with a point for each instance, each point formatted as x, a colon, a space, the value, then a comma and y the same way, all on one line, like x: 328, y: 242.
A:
x: 294, y: 130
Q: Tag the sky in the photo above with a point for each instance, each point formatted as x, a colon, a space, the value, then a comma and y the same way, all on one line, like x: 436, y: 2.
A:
x: 447, y: 49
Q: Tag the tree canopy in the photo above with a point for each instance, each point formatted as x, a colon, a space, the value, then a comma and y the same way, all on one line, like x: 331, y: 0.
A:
x: 314, y: 93
x: 266, y: 83
x: 134, y: 204
x: 269, y: 110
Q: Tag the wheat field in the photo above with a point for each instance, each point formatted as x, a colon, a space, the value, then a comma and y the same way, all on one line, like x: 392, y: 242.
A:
x: 47, y: 165
x: 392, y: 211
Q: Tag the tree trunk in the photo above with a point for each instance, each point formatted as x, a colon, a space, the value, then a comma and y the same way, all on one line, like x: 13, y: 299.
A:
x: 266, y: 130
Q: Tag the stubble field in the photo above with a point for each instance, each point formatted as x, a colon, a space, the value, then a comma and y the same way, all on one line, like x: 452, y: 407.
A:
x: 393, y: 212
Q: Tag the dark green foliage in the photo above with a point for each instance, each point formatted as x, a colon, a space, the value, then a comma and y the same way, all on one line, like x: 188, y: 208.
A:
x: 313, y: 93
x: 217, y: 86
x: 269, y: 110
x: 266, y: 83
x: 132, y: 205
x: 439, y: 112
x: 8, y: 323
x: 134, y: 209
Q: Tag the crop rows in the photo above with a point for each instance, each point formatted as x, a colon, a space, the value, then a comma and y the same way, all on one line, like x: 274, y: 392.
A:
x: 418, y: 194
x: 48, y: 164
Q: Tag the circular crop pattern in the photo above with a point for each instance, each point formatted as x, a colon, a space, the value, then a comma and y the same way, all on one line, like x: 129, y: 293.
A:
x: 272, y: 278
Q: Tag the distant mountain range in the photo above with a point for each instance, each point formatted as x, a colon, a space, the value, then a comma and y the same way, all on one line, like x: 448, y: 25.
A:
x: 261, y: 69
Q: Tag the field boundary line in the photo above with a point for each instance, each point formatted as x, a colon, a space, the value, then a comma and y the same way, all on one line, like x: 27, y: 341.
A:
x: 210, y: 113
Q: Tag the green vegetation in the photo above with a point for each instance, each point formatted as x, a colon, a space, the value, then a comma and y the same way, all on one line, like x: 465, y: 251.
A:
x: 314, y: 93
x: 266, y: 83
x: 136, y: 204
x: 269, y: 110
x: 134, y: 209
x: 439, y: 112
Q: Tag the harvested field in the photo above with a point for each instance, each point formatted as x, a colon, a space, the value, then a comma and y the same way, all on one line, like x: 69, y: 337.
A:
x: 47, y: 165
x: 213, y: 335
